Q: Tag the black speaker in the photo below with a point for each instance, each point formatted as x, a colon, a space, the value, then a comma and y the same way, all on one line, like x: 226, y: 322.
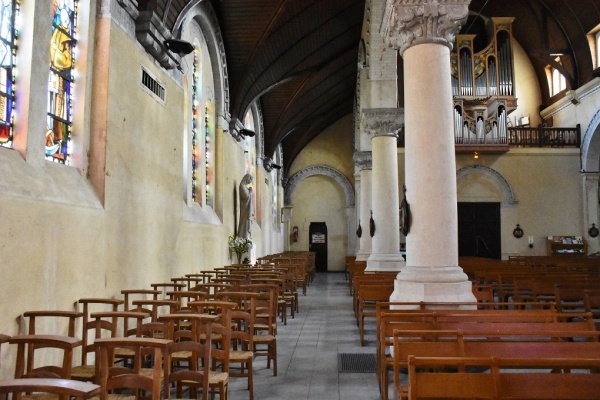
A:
x: 180, y: 47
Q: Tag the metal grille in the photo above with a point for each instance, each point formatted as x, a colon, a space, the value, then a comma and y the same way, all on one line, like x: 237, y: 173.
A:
x: 358, y: 363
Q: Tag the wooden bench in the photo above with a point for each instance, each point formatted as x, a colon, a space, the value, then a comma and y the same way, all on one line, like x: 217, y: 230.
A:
x: 505, y: 378
x: 368, y: 296
x: 487, y: 344
x: 491, y: 320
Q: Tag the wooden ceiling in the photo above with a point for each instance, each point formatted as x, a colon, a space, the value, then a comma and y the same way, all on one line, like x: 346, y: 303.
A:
x: 298, y: 58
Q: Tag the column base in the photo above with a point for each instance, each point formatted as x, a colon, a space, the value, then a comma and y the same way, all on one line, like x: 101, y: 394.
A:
x: 385, y: 262
x: 362, y: 256
x: 432, y: 284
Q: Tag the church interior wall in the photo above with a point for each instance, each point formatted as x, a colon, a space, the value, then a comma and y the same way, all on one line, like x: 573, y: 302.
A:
x: 320, y: 198
x: 60, y: 242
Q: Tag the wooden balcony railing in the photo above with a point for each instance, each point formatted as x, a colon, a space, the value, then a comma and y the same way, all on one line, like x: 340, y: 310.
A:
x: 521, y: 137
x: 544, y: 137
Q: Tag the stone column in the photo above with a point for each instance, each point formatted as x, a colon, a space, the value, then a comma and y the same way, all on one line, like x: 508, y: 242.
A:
x: 590, y: 210
x: 286, y: 217
x: 364, y: 163
x: 423, y: 31
x: 383, y: 124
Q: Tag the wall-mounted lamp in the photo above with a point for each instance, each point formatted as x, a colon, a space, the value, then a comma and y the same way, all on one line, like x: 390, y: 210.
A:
x: 593, y: 231
x: 247, y: 132
x: 276, y: 166
x: 518, y: 232
x: 476, y: 155
x: 180, y: 47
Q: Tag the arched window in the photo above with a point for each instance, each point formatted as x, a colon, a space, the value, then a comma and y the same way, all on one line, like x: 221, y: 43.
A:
x: 9, y: 10
x: 250, y: 156
x: 61, y: 80
x: 203, y: 128
x: 558, y: 83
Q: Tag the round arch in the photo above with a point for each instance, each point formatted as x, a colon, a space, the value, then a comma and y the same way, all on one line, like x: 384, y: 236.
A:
x: 508, y: 196
x: 590, y: 147
x: 333, y: 173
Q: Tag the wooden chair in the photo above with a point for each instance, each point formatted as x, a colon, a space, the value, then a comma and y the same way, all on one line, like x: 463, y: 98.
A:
x: 26, y: 366
x: 86, y: 371
x: 265, y: 325
x: 155, y: 307
x: 187, y: 345
x: 168, y: 286
x: 115, y: 324
x: 129, y: 295
x: 241, y: 352
x: 63, y: 388
x: 57, y: 322
x: 114, y: 378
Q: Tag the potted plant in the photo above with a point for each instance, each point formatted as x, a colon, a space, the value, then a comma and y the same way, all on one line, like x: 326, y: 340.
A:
x: 239, y: 245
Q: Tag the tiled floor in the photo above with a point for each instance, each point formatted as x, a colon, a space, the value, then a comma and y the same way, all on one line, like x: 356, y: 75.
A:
x: 308, y: 348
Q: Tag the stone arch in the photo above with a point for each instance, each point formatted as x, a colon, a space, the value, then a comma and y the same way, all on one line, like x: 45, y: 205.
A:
x: 333, y: 173
x: 590, y: 147
x: 202, y: 13
x: 508, y: 196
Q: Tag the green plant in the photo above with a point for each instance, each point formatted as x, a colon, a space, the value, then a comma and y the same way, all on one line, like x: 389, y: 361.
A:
x: 239, y: 245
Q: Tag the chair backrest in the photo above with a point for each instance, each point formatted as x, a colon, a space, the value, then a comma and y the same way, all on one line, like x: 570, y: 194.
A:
x: 112, y: 377
x: 116, y: 323
x: 197, y: 371
x: 26, y: 365
x: 156, y: 307
x: 89, y: 325
x: 64, y: 388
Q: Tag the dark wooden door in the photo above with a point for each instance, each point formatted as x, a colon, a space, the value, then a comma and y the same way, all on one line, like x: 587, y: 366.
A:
x: 318, y: 243
x: 479, y: 230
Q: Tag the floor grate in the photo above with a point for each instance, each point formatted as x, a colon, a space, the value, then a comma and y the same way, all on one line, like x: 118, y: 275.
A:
x: 356, y: 362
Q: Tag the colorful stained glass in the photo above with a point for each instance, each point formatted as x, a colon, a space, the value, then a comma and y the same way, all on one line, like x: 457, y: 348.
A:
x: 209, y: 151
x: 60, y: 80
x: 9, y: 10
x: 196, y: 156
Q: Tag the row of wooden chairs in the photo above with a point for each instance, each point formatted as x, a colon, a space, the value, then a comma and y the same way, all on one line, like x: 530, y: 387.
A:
x: 151, y: 305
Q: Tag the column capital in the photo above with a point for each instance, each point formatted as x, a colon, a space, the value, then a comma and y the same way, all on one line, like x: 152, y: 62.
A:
x: 408, y: 23
x: 363, y: 160
x: 382, y: 121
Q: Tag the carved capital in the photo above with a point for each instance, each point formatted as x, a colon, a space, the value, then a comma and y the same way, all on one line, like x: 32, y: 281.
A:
x: 407, y: 23
x: 363, y: 160
x: 382, y: 121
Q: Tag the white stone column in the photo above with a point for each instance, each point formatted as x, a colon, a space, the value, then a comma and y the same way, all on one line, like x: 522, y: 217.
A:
x: 363, y: 161
x: 383, y: 125
x: 590, y: 210
x: 286, y: 217
x: 423, y: 31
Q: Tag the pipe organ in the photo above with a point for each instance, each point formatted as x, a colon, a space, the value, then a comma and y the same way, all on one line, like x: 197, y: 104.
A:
x: 483, y: 88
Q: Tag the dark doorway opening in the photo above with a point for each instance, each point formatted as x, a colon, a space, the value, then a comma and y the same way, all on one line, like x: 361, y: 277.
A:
x: 317, y: 232
x: 479, y: 230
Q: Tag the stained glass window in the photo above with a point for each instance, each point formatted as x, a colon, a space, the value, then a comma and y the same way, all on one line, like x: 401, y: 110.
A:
x: 209, y: 151
x: 250, y: 148
x: 9, y: 10
x: 60, y: 81
x: 196, y: 128
x: 203, y: 134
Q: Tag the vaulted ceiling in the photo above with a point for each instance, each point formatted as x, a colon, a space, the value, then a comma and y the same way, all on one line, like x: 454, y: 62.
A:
x: 298, y: 58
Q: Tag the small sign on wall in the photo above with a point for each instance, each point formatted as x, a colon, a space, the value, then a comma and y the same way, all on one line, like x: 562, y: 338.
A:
x: 318, y: 238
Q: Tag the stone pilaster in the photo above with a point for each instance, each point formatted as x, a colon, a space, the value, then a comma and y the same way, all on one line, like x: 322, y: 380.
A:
x: 590, y: 209
x: 363, y: 162
x: 423, y: 31
x: 383, y: 124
